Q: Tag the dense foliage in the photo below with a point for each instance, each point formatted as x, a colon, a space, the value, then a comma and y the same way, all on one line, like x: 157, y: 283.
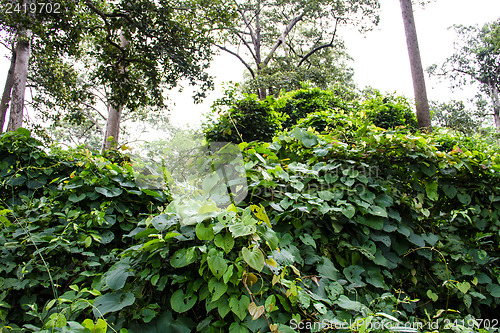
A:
x: 249, y: 119
x: 377, y: 226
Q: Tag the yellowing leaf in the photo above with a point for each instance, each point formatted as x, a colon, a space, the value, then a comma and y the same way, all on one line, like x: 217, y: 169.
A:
x: 256, y: 311
x: 251, y: 279
x: 271, y: 262
x: 261, y: 214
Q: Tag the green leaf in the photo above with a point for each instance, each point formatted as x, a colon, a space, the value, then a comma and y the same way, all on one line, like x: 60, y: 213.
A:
x: 181, y: 302
x: 217, y: 288
x: 309, y: 140
x: 163, y: 222
x: 228, y: 274
x: 216, y: 263
x: 223, y: 306
x: 327, y: 269
x: 117, y: 276
x: 463, y: 287
x: 238, y: 328
x: 353, y: 273
x: 240, y: 230
x: 112, y: 302
x: 348, y: 211
x: 326, y: 195
x: 56, y: 320
x: 450, y: 191
x: 148, y: 315
x: 493, y: 289
x: 416, y: 239
x: 77, y: 198
x: 378, y: 211
x: 225, y: 242
x: 374, y: 222
x: 254, y: 258
x: 184, y: 257
x: 433, y: 296
x: 431, y: 190
x: 109, y: 192
x: 239, y: 306
x: 166, y: 323
x: 308, y: 240
x: 464, y: 198
x: 345, y: 303
x: 204, y: 233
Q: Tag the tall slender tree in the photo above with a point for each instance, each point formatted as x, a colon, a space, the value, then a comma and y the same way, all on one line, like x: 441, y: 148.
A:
x: 9, y: 82
x: 417, y: 72
x: 22, y: 55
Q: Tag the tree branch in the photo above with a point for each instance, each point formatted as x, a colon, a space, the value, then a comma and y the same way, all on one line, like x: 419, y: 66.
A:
x: 316, y: 49
x: 246, y: 45
x: 239, y: 57
x: 281, y: 39
x: 105, y: 17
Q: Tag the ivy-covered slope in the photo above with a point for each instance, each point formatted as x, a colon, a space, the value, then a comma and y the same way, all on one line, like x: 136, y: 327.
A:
x: 383, y: 227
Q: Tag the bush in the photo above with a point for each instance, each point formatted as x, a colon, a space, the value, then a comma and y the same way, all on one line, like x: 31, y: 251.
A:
x: 389, y: 111
x: 334, y: 122
x: 248, y: 119
x: 380, y: 227
x: 300, y: 103
x: 261, y: 120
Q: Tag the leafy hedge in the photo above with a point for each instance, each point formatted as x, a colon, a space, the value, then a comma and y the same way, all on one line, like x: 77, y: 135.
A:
x: 249, y: 119
x: 382, y: 227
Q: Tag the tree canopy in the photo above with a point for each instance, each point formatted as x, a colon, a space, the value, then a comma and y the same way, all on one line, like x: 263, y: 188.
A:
x: 476, y: 60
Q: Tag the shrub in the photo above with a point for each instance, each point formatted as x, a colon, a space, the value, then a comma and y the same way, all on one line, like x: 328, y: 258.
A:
x: 389, y: 111
x: 329, y: 121
x: 298, y: 104
x: 381, y: 227
x: 247, y: 119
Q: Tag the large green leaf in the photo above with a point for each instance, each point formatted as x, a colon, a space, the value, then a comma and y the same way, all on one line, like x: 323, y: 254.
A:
x: 109, y: 192
x: 239, y: 306
x: 204, y: 232
x: 254, y: 258
x: 349, y: 211
x: 184, y: 257
x: 217, y: 288
x: 112, y: 302
x: 181, y: 302
x: 240, y: 230
x: 117, y: 275
x: 225, y: 242
x: 347, y: 304
x: 216, y: 263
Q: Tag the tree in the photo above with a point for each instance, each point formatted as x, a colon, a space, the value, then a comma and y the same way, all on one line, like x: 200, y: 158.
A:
x: 476, y: 59
x: 30, y: 26
x: 266, y: 27
x: 325, y: 69
x: 417, y: 73
x: 22, y: 55
x: 166, y: 42
x: 9, y: 82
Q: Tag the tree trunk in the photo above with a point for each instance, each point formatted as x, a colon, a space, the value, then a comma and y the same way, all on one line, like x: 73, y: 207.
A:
x: 112, y: 133
x: 417, y: 73
x: 4, y: 104
x: 112, y: 127
x: 496, y: 105
x: 19, y: 80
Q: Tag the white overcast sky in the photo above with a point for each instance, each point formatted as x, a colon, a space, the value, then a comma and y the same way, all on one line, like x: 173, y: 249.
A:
x: 380, y: 56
